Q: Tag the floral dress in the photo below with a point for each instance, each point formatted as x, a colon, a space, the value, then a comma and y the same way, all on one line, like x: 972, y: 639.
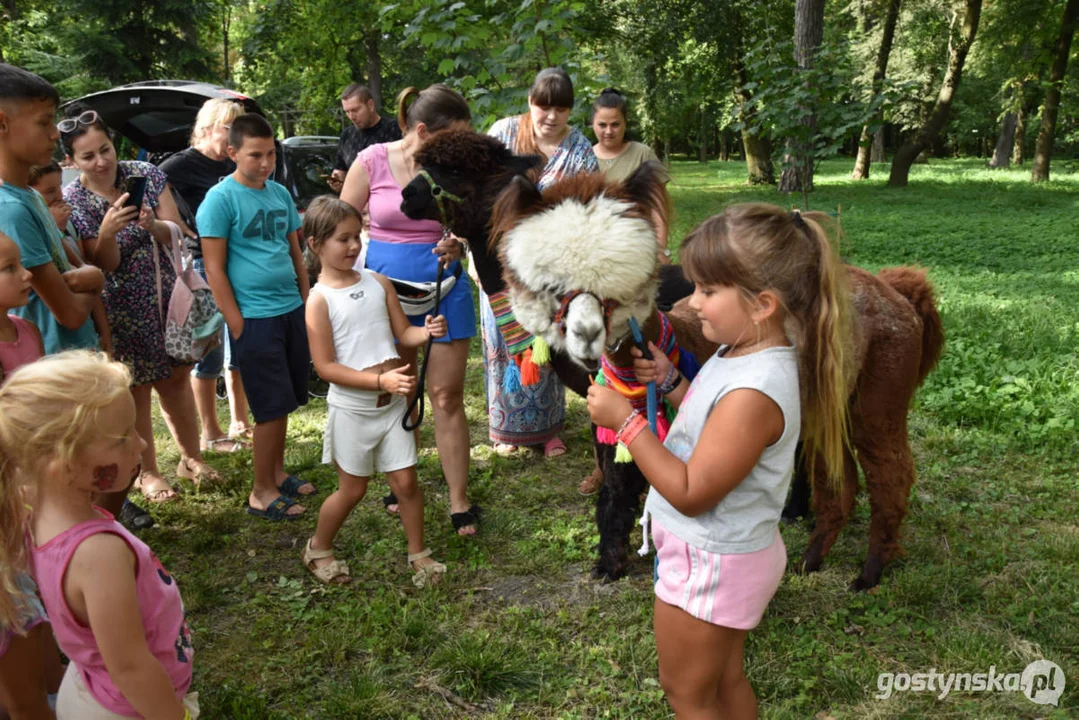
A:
x: 132, y: 304
x: 535, y: 413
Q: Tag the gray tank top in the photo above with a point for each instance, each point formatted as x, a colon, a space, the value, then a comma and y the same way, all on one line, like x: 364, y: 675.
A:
x: 746, y: 519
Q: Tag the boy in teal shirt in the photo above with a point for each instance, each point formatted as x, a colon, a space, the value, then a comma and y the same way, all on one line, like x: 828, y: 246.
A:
x: 61, y: 298
x: 254, y: 265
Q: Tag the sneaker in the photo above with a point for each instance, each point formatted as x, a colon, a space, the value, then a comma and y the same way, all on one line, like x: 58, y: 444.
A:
x: 134, y: 517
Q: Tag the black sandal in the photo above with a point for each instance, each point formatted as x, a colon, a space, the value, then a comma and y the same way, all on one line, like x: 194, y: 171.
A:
x: 466, y: 518
x: 391, y: 499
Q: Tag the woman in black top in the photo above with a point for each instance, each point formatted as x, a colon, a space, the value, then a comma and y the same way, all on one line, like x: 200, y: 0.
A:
x: 191, y: 173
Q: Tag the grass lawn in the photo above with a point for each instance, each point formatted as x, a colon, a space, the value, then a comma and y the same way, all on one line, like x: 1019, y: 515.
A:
x: 518, y: 630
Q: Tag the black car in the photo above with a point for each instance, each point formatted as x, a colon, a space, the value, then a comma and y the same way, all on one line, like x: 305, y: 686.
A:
x: 158, y: 115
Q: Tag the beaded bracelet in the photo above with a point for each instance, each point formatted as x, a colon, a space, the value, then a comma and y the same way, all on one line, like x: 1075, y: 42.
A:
x: 634, y: 428
x: 673, y: 380
x: 626, y: 422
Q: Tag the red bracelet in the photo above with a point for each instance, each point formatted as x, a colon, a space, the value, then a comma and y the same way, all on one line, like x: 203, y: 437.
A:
x: 632, y: 429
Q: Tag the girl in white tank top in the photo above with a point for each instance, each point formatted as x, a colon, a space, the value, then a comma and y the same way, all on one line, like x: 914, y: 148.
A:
x: 770, y: 292
x: 353, y: 322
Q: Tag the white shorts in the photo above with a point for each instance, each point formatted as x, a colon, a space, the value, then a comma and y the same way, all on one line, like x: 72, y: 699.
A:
x: 74, y: 701
x: 369, y: 440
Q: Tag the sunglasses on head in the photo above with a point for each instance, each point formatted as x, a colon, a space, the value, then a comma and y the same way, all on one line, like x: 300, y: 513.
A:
x: 69, y: 124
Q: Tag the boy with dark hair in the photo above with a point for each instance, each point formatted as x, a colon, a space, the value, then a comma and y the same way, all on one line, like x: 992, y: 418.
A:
x: 61, y: 298
x: 251, y: 250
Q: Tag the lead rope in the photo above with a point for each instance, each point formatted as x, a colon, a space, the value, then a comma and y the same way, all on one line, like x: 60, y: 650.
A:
x: 418, y: 403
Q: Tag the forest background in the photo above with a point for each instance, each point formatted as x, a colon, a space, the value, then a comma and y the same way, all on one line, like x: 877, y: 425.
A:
x: 780, y: 84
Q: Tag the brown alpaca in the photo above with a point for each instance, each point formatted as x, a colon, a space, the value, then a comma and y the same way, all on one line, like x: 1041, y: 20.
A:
x: 898, y: 338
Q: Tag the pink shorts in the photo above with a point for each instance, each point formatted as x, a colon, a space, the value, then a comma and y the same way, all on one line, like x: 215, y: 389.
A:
x: 729, y: 590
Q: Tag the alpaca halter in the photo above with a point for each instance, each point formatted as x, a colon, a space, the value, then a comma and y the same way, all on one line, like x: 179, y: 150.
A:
x: 565, y: 299
x: 439, y: 193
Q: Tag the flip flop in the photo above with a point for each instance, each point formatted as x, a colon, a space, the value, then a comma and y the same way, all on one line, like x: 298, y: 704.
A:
x: 554, y: 448
x: 391, y: 499
x: 277, y: 510
x: 466, y: 518
x: 291, y: 487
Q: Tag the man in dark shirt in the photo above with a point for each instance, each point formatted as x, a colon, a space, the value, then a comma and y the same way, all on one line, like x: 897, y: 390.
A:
x: 368, y: 128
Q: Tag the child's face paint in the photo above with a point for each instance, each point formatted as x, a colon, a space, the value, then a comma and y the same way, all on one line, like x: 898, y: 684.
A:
x: 105, y: 476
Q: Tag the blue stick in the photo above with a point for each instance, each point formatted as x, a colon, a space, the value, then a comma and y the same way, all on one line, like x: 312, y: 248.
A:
x: 653, y: 402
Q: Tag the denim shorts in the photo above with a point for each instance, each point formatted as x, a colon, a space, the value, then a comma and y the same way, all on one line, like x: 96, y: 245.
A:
x: 214, y: 361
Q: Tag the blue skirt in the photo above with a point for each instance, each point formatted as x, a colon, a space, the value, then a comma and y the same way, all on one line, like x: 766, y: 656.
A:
x: 416, y: 262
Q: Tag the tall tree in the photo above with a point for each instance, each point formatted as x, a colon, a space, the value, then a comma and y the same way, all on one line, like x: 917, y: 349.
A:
x: 959, y: 46
x: 872, y: 128
x: 1043, y: 151
x: 1002, y: 154
x: 808, y: 34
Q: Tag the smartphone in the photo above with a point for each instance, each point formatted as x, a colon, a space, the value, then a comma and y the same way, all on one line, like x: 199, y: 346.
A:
x: 135, y: 187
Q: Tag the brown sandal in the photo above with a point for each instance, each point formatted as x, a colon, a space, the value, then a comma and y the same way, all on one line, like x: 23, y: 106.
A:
x: 592, y: 483
x: 196, y: 471
x: 429, y: 574
x: 161, y: 495
x: 224, y: 445
x: 336, y: 573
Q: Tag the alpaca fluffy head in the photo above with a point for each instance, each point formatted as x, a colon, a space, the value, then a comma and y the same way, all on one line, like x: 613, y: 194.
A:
x: 579, y: 259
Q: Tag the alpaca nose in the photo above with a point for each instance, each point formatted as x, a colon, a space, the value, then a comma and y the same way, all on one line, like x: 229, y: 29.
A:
x: 587, y: 335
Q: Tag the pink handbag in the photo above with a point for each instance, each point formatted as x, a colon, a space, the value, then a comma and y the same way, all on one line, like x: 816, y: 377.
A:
x: 192, y: 324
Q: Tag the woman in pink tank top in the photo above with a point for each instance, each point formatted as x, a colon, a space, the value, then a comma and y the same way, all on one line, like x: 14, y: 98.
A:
x: 94, y: 576
x: 405, y: 249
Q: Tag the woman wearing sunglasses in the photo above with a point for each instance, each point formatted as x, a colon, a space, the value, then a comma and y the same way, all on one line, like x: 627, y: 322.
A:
x: 119, y: 239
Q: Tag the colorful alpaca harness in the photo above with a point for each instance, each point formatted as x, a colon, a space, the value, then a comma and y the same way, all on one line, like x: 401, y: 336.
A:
x: 624, y: 380
x: 529, y: 352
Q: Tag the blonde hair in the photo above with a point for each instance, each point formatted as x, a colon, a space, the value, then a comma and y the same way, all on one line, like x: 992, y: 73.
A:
x: 319, y: 223
x: 48, y: 413
x: 216, y: 111
x: 757, y: 247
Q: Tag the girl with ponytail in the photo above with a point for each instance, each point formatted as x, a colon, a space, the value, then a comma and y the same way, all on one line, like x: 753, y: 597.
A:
x: 770, y: 291
x: 411, y: 250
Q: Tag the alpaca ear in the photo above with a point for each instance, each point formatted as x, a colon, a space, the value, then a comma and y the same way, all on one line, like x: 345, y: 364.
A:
x: 523, y: 164
x: 518, y: 199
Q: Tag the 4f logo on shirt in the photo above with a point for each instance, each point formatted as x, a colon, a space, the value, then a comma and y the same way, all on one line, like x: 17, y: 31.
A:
x: 267, y: 225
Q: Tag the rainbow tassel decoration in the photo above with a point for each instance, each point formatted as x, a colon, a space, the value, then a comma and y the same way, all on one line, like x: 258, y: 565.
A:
x: 541, y: 351
x: 530, y: 371
x: 511, y: 379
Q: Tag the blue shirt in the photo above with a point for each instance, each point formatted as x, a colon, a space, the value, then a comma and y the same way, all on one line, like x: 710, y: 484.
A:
x: 256, y: 224
x: 25, y: 218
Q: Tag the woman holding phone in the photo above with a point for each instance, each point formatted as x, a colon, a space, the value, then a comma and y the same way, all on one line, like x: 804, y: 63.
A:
x: 119, y: 233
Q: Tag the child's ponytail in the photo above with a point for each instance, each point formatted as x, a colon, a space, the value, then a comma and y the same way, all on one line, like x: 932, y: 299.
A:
x: 758, y: 247
x: 827, y: 353
x: 12, y: 541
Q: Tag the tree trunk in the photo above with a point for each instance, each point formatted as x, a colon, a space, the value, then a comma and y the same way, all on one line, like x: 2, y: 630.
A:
x: 938, y: 118
x: 1018, y: 151
x: 226, y: 23
x: 702, y: 136
x: 861, y: 164
x: 374, y: 68
x: 1043, y: 151
x: 808, y: 34
x: 878, y: 146
x: 757, y: 149
x: 724, y: 146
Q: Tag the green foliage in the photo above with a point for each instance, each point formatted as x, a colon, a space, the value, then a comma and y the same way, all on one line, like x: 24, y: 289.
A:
x: 781, y: 94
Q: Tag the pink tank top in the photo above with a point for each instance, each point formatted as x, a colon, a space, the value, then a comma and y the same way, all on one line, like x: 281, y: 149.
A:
x: 160, y: 608
x: 23, y: 351
x: 388, y: 223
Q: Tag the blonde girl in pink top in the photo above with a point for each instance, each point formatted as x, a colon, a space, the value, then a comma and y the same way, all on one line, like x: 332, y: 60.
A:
x: 67, y: 426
